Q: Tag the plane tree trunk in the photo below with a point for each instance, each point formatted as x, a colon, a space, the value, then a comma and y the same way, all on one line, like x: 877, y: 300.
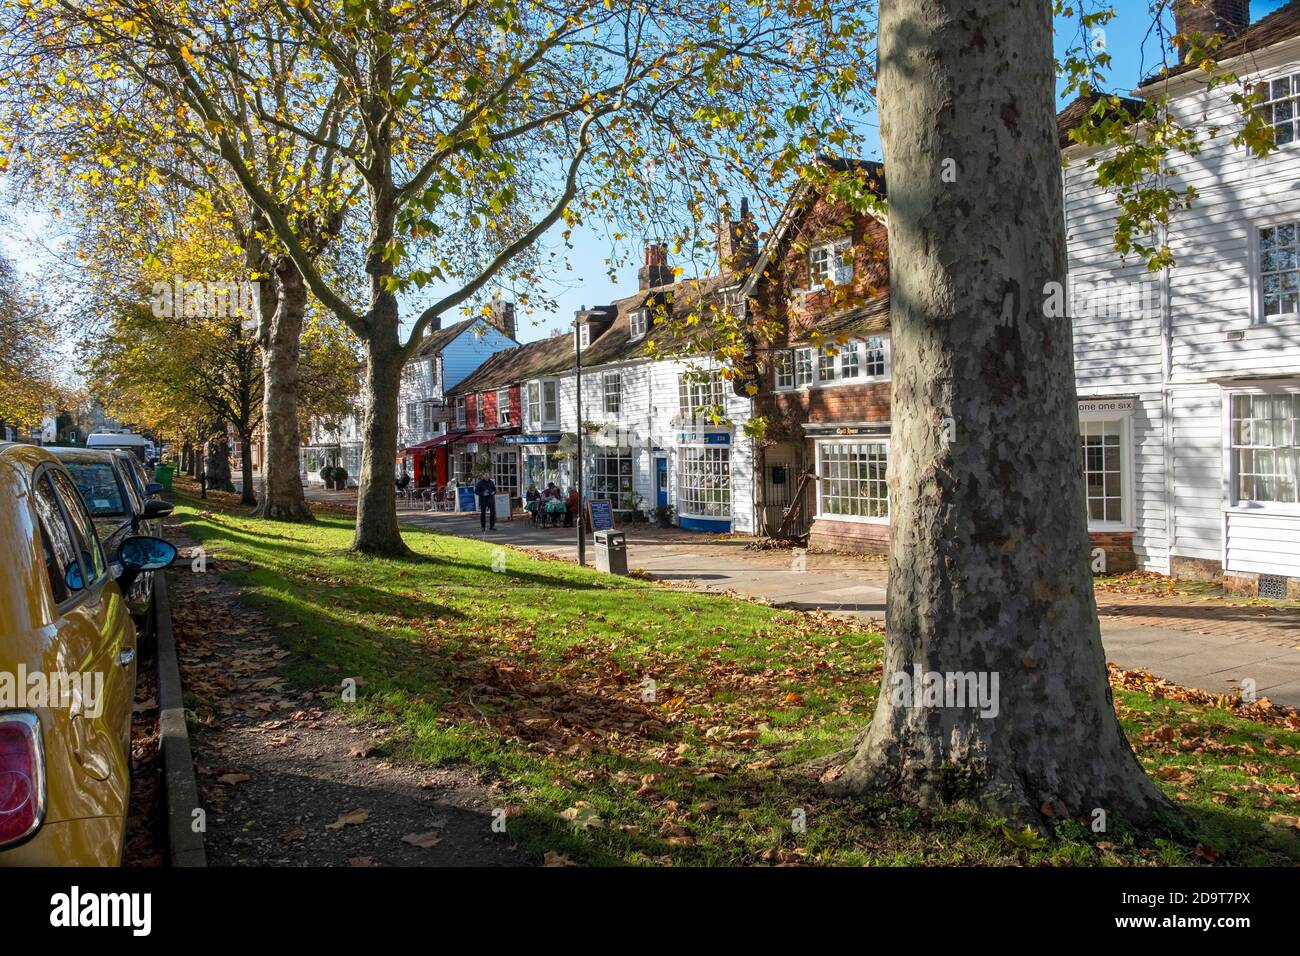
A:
x: 282, y: 493
x: 377, y: 531
x: 989, y: 569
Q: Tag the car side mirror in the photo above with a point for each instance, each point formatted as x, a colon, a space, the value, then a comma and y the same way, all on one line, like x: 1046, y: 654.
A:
x: 153, y: 508
x: 153, y: 488
x: 140, y: 553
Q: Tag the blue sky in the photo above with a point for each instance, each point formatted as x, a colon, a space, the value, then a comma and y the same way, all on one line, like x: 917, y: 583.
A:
x: 1135, y: 54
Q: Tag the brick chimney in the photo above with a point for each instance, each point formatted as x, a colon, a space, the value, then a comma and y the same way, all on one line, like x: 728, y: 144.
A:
x: 656, y: 271
x: 503, y: 316
x: 1210, y: 17
x: 737, y: 239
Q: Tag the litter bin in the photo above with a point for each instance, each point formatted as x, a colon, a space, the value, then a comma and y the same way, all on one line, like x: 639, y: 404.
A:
x: 163, y: 475
x: 611, y: 552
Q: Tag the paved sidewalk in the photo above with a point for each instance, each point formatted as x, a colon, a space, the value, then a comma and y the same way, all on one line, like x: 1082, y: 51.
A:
x: 1206, y: 644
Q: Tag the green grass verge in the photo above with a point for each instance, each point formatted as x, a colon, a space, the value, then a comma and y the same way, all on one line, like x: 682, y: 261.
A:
x: 533, y: 673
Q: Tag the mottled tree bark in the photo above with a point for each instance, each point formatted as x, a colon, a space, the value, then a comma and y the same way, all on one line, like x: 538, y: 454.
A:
x: 377, y: 529
x: 281, y: 331
x: 989, y: 570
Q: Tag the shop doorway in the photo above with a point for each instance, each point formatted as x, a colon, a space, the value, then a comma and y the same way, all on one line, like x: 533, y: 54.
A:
x: 661, y: 480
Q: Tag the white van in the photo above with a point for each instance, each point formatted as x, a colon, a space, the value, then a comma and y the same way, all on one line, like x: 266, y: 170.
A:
x: 138, y: 445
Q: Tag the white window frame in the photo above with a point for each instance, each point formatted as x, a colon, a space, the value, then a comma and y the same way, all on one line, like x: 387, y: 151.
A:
x: 807, y: 364
x: 1271, y: 100
x: 584, y: 336
x: 638, y: 323
x: 503, y: 408
x: 1126, y: 469
x: 478, y: 409
x: 820, y: 446
x: 460, y: 413
x: 1259, y: 315
x: 597, y: 476
x: 616, y: 379
x: 783, y: 370
x: 690, y: 481
x: 551, y: 420
x: 692, y: 392
x: 1231, y: 502
x: 827, y: 260
x: 805, y: 367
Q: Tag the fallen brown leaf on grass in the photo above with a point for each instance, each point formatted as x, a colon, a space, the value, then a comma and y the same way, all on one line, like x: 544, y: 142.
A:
x: 231, y: 779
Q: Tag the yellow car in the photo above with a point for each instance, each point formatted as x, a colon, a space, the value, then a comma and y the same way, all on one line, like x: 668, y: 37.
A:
x: 67, y: 669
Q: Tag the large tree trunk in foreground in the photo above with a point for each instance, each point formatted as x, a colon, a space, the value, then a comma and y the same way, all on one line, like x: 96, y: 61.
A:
x: 377, y: 529
x: 989, y: 553
x: 282, y: 317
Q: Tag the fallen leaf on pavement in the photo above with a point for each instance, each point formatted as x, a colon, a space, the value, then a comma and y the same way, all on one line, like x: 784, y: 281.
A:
x: 351, y: 818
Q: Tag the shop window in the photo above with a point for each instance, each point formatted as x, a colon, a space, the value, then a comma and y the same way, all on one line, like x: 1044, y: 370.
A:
x: 1266, y: 447
x: 611, y: 478
x: 505, y: 471
x: 1103, y: 469
x: 854, y: 479
x: 704, y: 481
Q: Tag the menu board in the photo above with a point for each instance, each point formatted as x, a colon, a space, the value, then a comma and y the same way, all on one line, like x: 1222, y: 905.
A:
x: 502, y: 505
x: 465, y: 498
x: 600, y: 514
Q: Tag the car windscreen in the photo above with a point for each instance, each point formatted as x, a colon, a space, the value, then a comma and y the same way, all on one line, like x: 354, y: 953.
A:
x: 99, y: 489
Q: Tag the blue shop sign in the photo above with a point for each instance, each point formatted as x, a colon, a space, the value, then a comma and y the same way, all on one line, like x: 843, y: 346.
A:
x: 704, y: 438
x: 532, y: 439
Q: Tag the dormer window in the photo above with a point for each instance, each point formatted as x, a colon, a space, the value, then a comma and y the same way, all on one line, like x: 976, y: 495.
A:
x: 831, y: 262
x: 584, y: 336
x: 639, y: 321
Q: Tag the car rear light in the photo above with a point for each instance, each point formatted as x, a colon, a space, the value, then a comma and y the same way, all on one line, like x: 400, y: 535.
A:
x: 22, y: 776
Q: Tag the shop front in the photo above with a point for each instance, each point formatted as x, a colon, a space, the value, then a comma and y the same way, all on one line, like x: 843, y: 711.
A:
x: 703, y: 459
x: 851, y: 498
x: 474, y: 454
x: 539, y: 458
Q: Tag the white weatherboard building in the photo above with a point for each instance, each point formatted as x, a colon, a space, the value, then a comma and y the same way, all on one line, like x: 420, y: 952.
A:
x: 1189, y: 379
x: 645, y: 441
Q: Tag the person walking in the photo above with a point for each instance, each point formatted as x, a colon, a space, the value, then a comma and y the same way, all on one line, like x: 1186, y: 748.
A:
x: 203, y: 474
x: 486, y: 490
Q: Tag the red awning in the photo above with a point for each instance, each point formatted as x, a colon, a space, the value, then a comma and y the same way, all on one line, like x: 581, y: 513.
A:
x: 430, y: 443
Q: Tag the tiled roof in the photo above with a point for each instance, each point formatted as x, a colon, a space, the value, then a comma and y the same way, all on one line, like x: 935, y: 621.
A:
x: 869, y: 318
x: 1073, y: 115
x: 1282, y: 24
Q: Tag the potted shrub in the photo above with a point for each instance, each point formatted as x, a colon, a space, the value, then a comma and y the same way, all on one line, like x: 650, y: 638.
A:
x: 341, y: 478
x: 664, y: 515
x: 327, y: 476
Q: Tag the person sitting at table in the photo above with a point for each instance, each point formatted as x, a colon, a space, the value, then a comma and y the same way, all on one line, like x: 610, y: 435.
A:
x: 532, y: 502
x: 570, y: 507
x: 554, y: 510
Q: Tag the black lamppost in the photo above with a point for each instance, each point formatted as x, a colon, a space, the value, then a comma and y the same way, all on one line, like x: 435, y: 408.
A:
x: 577, y: 348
